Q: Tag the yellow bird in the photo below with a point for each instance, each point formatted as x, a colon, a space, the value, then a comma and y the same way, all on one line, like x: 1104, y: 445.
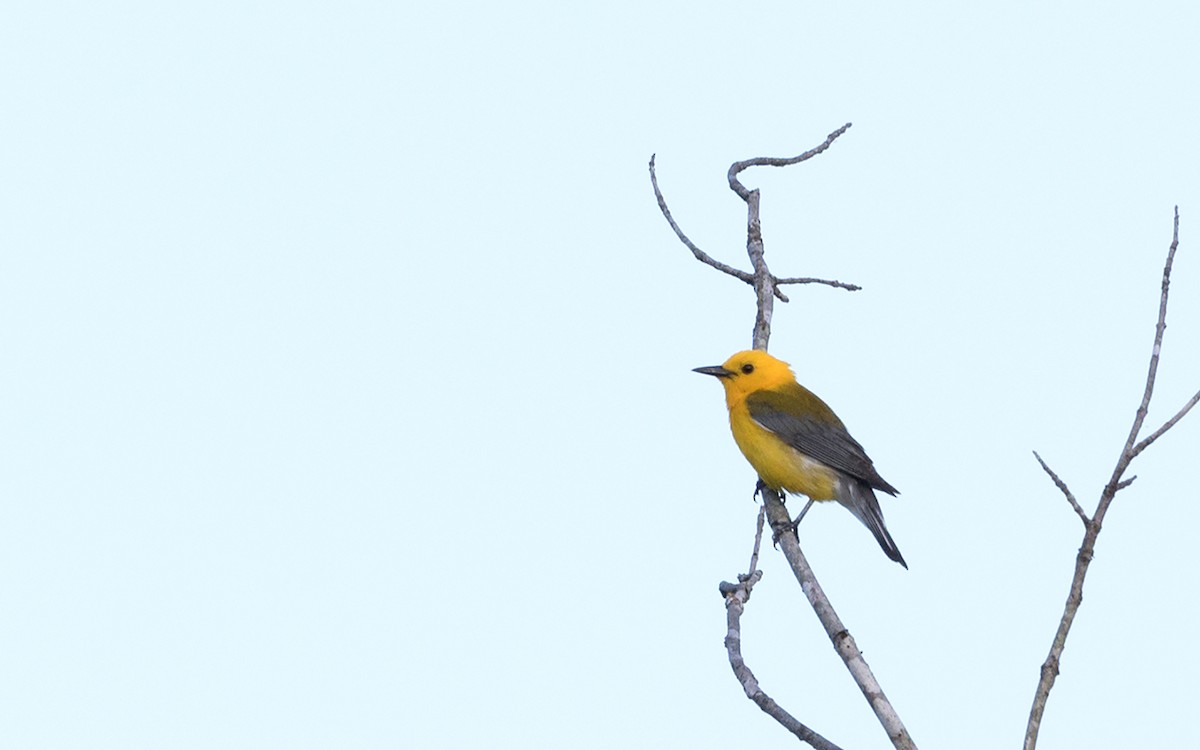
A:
x: 796, y: 443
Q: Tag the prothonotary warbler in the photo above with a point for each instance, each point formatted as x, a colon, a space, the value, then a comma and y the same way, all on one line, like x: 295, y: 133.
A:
x: 796, y: 443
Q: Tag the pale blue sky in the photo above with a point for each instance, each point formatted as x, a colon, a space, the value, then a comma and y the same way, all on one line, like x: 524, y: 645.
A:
x: 346, y: 380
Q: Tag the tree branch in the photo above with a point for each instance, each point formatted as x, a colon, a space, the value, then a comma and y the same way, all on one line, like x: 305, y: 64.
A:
x: 769, y: 161
x: 1168, y: 425
x: 1116, y: 483
x: 701, y: 256
x: 741, y: 190
x: 736, y: 595
x: 764, y: 287
x: 843, y: 642
x: 1127, y: 453
x: 809, y: 280
x: 1065, y: 490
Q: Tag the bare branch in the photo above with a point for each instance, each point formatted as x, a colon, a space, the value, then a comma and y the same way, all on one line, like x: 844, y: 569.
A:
x: 1168, y: 425
x: 735, y: 602
x: 1116, y: 483
x: 1049, y: 670
x: 1065, y: 490
x: 763, y: 284
x: 764, y: 281
x: 843, y: 642
x: 768, y: 161
x: 736, y: 596
x: 807, y: 280
x: 762, y: 514
x: 701, y: 256
x: 1128, y: 452
x: 766, y: 287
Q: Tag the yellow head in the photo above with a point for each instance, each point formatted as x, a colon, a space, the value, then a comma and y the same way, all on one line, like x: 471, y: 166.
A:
x: 748, y: 372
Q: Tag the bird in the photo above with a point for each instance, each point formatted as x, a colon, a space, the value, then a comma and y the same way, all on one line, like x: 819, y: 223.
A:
x: 796, y: 443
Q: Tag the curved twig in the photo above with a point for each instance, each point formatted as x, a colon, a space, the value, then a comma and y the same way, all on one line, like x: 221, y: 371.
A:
x: 770, y: 161
x: 736, y: 595
x: 701, y: 256
x: 741, y: 190
x: 734, y: 605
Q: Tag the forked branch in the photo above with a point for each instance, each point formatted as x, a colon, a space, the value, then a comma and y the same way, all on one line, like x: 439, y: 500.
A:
x: 736, y: 595
x: 1116, y: 483
x: 766, y: 287
x: 747, y: 276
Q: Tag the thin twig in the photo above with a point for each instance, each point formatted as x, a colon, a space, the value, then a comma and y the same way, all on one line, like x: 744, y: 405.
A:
x: 766, y: 284
x: 741, y: 190
x: 735, y: 603
x: 1050, y: 667
x: 1128, y: 453
x: 1169, y: 424
x: 736, y: 595
x: 1065, y: 490
x: 770, y: 161
x: 762, y: 514
x: 701, y: 256
x: 826, y: 282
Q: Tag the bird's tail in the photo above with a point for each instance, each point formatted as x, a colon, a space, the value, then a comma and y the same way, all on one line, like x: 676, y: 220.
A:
x: 858, y: 498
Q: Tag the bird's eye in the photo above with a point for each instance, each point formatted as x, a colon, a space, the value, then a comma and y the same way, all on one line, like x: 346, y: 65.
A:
x: 747, y: 369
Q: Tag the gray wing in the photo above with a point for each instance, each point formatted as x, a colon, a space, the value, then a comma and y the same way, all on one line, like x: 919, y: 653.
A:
x: 822, y: 437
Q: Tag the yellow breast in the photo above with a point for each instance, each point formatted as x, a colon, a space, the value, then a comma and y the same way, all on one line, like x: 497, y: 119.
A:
x: 778, y: 464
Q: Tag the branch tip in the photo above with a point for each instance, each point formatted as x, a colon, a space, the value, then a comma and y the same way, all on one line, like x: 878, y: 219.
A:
x: 770, y: 161
x: 701, y: 256
x: 826, y: 282
x: 1062, y: 486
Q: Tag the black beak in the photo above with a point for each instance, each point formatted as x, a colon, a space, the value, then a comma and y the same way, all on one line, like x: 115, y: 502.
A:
x: 715, y: 370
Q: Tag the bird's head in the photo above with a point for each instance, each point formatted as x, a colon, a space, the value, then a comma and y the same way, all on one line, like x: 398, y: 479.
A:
x: 749, y: 371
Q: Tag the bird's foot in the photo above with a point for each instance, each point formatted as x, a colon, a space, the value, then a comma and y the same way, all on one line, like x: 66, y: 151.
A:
x: 800, y: 517
x: 777, y: 531
x: 760, y: 487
